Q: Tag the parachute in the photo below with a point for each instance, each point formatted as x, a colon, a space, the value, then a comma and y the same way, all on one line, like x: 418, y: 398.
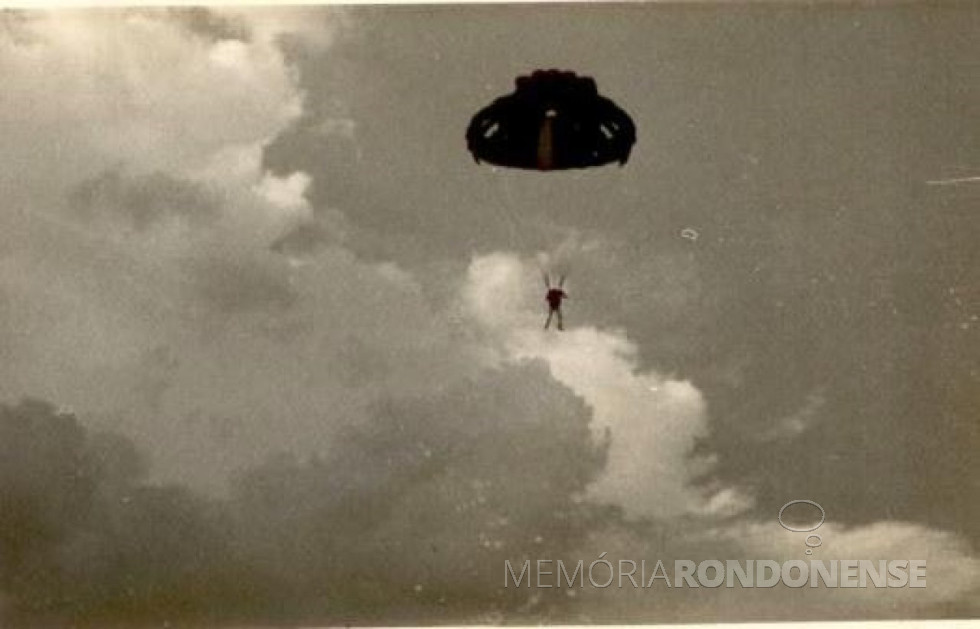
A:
x: 554, y: 120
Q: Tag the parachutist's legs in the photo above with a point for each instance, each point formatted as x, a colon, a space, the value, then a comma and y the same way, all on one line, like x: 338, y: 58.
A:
x: 547, y: 321
x: 561, y: 325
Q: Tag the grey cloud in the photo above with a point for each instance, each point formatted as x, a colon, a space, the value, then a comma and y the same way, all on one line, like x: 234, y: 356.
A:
x: 84, y: 539
x: 142, y: 201
x: 310, y: 238
x: 206, y: 23
x: 241, y: 284
x: 154, y: 374
x: 434, y: 491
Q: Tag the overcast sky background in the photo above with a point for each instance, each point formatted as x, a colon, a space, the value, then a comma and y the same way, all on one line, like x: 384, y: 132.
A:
x: 258, y: 292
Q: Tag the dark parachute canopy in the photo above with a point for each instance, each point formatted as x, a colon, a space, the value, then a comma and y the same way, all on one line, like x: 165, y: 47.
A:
x: 554, y: 120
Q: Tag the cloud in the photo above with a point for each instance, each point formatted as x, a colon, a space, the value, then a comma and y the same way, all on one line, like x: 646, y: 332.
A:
x: 954, y: 570
x: 85, y: 537
x: 139, y: 202
x: 144, y: 222
x: 653, y: 421
x: 410, y: 514
x: 796, y: 423
x: 238, y: 283
x: 153, y: 96
x: 411, y: 517
x: 157, y: 128
x: 952, y: 574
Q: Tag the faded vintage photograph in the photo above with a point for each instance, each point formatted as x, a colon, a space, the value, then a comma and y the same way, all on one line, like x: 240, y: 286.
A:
x: 489, y: 314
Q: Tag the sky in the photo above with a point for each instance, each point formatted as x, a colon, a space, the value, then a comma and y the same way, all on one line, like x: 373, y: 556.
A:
x: 270, y: 339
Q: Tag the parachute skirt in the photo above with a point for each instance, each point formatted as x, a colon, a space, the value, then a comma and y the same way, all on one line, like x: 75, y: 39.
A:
x: 553, y: 121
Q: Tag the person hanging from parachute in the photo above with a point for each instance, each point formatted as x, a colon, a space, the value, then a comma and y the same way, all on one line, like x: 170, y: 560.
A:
x: 553, y: 121
x: 554, y: 297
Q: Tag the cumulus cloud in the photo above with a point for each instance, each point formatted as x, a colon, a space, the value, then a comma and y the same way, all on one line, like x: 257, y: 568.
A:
x: 409, y: 519
x: 151, y: 96
x: 86, y: 538
x: 152, y: 123
x: 143, y: 221
x: 409, y: 516
x: 952, y: 573
x: 653, y: 421
x: 141, y: 201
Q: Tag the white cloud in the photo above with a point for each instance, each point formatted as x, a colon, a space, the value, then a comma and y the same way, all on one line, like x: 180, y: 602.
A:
x: 89, y: 298
x: 796, y: 423
x: 653, y: 420
x: 92, y: 90
x: 952, y: 572
x: 286, y: 193
x: 728, y: 501
x: 138, y: 93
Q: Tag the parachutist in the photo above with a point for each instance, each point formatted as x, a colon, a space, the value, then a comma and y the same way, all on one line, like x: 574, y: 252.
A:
x: 554, y: 297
